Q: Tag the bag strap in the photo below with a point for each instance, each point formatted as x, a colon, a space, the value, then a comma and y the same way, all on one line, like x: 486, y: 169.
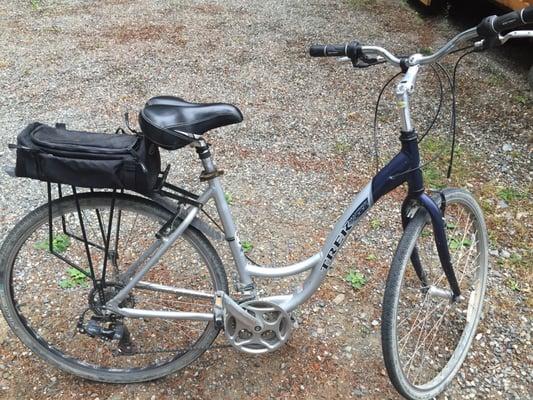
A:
x: 127, y: 123
x: 13, y: 146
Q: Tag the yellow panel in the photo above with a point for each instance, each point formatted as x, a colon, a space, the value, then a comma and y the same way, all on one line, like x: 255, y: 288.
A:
x: 514, y: 4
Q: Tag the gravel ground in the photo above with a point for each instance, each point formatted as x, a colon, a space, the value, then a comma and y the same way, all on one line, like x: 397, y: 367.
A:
x: 304, y: 149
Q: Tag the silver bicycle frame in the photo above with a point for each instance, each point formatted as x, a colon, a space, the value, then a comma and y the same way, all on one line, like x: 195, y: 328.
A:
x: 317, y: 265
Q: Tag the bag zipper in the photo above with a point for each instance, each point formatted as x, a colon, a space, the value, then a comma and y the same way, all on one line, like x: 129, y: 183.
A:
x: 66, y: 149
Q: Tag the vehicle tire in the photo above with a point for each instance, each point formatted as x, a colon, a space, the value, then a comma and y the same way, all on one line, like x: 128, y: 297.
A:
x: 425, y: 338
x: 43, y: 298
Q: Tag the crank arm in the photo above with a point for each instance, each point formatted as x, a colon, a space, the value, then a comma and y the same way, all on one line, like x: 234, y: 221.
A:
x: 230, y: 306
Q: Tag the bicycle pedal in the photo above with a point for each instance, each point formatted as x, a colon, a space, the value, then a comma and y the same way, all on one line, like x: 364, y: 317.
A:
x: 218, y: 310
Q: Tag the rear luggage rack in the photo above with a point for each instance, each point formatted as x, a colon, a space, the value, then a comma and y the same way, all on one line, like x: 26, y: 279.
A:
x: 174, y: 192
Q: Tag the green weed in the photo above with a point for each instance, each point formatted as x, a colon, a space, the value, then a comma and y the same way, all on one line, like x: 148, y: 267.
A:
x: 247, y: 246
x: 509, y: 194
x: 456, y: 244
x: 356, y: 279
x: 375, y: 223
x: 521, y: 99
x: 60, y: 243
x: 342, y: 147
x: 229, y: 198
x: 433, y: 177
x: 371, y: 257
x: 513, y: 285
x: 75, y: 278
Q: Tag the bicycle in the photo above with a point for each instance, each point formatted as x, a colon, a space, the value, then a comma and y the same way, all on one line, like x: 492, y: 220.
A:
x: 153, y: 294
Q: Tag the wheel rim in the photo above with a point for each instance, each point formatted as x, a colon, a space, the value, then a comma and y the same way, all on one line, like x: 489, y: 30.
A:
x: 49, y: 299
x: 432, y: 334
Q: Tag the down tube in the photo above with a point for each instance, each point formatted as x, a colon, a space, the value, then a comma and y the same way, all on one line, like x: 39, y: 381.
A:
x: 362, y: 202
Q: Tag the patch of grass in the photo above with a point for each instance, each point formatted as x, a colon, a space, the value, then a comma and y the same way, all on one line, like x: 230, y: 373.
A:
x: 438, y: 150
x: 229, y: 198
x: 513, y: 285
x: 433, y: 178
x: 371, y: 257
x: 426, y: 51
x: 426, y: 233
x: 356, y: 279
x: 521, y: 99
x: 36, y: 4
x: 342, y: 147
x: 247, y: 246
x: 515, y: 259
x: 75, y: 278
x: 60, y: 243
x: 456, y: 244
x: 510, y: 194
x: 450, y: 226
x: 496, y: 79
x: 375, y: 223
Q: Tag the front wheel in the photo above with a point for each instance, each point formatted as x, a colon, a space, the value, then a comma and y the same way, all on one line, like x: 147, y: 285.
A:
x: 425, y: 336
x: 46, y: 301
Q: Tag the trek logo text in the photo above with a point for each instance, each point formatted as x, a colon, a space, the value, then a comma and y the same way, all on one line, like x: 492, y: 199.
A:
x: 350, y: 223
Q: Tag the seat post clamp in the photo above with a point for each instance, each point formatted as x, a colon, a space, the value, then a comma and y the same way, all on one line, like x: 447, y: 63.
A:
x: 206, y: 176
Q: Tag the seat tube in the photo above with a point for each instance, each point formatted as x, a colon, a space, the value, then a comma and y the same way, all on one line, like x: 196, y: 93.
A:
x: 211, y: 174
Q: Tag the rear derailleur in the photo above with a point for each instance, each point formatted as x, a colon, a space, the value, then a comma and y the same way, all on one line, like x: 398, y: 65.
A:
x: 107, y: 327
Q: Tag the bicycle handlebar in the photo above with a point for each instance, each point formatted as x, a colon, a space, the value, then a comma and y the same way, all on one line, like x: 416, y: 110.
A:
x: 488, y: 29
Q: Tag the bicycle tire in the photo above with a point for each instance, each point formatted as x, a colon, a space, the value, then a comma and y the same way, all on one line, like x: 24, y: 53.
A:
x: 403, y: 286
x: 97, y: 359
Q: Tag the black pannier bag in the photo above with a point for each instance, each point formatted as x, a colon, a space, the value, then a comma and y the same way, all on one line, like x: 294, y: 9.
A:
x: 93, y: 160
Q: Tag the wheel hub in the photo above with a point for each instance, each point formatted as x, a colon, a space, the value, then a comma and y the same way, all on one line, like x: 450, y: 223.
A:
x: 110, y: 290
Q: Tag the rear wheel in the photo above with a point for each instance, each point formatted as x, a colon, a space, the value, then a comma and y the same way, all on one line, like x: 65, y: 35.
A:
x: 425, y: 336
x: 44, y: 299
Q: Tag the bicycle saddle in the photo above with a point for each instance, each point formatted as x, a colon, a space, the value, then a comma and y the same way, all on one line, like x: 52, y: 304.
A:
x: 171, y: 121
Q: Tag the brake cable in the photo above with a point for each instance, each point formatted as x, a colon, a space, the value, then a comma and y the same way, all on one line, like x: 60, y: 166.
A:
x: 452, y: 83
x: 454, y: 110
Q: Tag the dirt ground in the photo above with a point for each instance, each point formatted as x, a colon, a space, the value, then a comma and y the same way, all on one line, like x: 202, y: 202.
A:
x: 304, y: 149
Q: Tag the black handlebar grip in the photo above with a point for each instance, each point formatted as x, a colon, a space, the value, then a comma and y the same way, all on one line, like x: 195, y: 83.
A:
x: 508, y: 21
x: 491, y: 26
x: 328, y: 50
x: 527, y: 15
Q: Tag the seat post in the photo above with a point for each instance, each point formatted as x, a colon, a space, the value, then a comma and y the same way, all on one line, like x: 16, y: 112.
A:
x: 202, y: 149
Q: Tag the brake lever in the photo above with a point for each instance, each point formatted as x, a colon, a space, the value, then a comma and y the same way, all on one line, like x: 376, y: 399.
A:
x: 362, y: 62
x: 365, y: 62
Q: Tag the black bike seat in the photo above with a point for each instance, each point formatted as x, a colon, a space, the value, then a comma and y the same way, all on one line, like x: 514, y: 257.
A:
x: 169, y: 121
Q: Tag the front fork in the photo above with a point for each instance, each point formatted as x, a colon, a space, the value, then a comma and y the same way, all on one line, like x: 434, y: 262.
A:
x: 436, y: 214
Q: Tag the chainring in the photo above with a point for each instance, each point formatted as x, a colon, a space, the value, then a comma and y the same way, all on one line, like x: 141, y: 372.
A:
x: 276, y: 331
